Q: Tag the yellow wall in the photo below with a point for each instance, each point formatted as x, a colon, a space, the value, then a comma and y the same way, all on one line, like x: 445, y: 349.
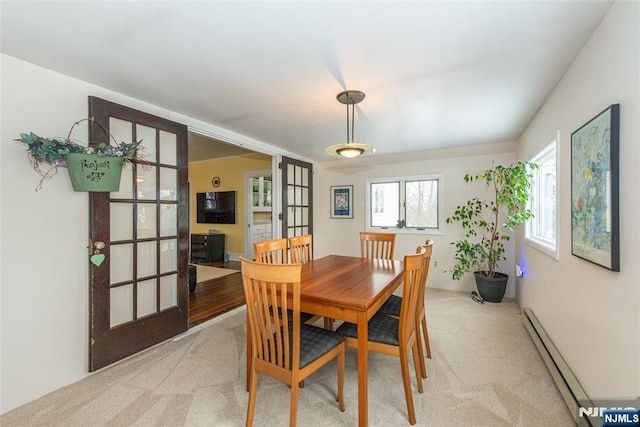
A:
x: 231, y: 174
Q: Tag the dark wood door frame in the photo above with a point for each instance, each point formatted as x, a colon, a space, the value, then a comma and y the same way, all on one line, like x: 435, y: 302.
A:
x: 109, y: 344
x: 290, y: 206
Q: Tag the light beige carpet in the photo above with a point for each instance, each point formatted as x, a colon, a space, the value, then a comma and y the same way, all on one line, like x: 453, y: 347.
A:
x: 485, y: 371
x: 205, y: 272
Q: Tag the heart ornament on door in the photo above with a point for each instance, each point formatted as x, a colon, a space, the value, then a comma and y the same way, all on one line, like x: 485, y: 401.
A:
x: 97, y: 259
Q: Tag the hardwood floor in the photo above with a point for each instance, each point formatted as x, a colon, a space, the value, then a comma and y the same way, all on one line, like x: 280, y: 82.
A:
x: 216, y: 296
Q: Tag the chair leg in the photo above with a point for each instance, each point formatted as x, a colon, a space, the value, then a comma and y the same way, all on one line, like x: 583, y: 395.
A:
x: 300, y: 384
x: 426, y: 337
x: 249, y: 355
x: 293, y: 411
x: 328, y: 323
x: 417, y: 358
x: 340, y: 362
x: 252, y: 398
x: 248, y: 380
x: 420, y: 361
x: 404, y: 366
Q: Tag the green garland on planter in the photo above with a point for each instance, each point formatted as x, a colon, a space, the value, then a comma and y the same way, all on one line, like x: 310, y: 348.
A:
x: 55, y: 151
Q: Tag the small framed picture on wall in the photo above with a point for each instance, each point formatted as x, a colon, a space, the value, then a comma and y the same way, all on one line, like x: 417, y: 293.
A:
x: 342, y: 201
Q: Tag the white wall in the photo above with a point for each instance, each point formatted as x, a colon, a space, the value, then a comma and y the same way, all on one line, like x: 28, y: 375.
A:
x: 44, y: 236
x: 452, y: 164
x: 592, y: 314
x: 44, y: 268
x: 43, y: 258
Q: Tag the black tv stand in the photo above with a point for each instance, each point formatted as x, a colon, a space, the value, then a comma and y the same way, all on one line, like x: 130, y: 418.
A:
x: 207, y: 248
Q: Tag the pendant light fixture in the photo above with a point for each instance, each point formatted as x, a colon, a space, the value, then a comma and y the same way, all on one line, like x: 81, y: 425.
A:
x: 350, y: 149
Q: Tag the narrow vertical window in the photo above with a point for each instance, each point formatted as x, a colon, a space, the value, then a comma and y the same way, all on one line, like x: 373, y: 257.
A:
x: 542, y: 230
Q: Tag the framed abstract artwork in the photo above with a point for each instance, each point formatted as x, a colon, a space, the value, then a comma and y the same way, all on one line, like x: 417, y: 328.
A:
x: 595, y: 234
x: 342, y: 201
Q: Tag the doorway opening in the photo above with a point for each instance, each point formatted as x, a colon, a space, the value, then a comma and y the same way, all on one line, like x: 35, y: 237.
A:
x: 219, y: 166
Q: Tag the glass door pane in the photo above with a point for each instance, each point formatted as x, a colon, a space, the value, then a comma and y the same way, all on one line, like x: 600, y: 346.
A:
x: 297, y: 197
x: 139, y: 294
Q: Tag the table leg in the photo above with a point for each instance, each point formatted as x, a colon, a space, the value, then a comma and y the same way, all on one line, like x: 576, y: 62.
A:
x: 363, y: 369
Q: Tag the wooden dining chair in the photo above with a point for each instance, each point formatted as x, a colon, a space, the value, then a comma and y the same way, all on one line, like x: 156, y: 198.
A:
x: 301, y: 251
x: 398, y: 336
x: 272, y: 251
x: 281, y: 346
x: 301, y: 248
x: 372, y: 246
x: 275, y: 251
x: 393, y: 305
x: 377, y: 245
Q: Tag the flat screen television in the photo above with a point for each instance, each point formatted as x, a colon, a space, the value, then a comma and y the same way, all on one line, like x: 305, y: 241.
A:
x: 216, y: 207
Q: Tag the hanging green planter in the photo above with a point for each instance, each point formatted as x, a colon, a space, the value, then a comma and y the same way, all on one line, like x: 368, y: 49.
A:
x: 93, y: 172
x: 91, y: 168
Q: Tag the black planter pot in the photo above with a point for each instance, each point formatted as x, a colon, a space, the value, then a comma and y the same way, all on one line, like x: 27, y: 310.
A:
x: 492, y: 289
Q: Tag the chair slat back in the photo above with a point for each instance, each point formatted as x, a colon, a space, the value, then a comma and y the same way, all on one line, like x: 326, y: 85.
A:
x: 265, y: 289
x: 377, y: 245
x: 301, y: 248
x: 271, y: 251
x: 413, y: 276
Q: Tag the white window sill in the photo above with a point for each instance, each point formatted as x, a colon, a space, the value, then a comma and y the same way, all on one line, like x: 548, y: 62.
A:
x: 429, y: 231
x: 545, y: 249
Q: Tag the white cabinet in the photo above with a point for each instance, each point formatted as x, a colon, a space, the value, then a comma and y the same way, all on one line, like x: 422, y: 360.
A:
x: 261, y: 193
x: 260, y: 232
x: 258, y: 209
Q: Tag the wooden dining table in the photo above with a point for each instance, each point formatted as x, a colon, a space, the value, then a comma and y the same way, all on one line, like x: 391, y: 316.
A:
x: 351, y: 289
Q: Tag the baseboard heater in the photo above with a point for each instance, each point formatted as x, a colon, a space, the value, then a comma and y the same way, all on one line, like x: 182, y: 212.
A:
x: 570, y: 389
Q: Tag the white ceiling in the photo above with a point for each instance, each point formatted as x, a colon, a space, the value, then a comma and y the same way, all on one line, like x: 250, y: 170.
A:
x: 436, y: 74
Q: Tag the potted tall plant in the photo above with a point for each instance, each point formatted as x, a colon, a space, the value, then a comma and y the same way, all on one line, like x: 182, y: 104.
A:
x: 487, y: 222
x: 91, y: 168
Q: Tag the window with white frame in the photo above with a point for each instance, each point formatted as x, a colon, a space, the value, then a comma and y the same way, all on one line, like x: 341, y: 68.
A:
x: 542, y: 230
x: 412, y: 204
